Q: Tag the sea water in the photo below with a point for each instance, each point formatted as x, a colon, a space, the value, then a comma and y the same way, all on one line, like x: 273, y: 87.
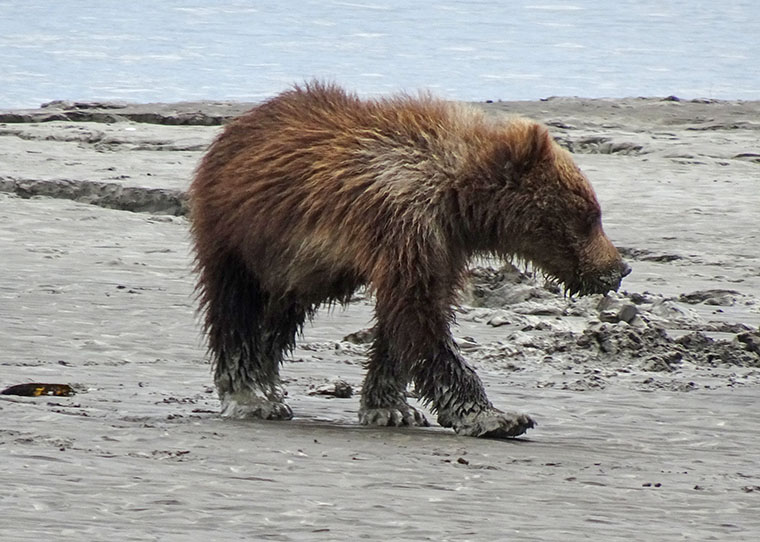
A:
x: 169, y: 50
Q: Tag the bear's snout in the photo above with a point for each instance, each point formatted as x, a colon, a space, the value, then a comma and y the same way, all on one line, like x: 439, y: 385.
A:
x: 602, y: 282
x: 602, y: 269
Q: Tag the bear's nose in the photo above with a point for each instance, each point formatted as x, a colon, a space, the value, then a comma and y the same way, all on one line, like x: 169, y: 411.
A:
x: 625, y: 270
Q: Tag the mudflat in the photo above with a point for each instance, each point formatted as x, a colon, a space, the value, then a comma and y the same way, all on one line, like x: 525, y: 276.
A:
x: 646, y: 400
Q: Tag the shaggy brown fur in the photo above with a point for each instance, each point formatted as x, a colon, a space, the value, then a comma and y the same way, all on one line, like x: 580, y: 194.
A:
x: 315, y: 192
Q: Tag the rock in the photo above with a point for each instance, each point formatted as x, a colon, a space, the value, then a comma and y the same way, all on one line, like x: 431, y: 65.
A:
x: 363, y: 336
x: 613, y: 310
x: 751, y: 341
x: 601, y: 145
x: 662, y: 362
x: 718, y: 297
x: 640, y: 299
x: 608, y: 303
x: 609, y: 316
x: 467, y: 343
x: 337, y: 388
x: 666, y: 310
x: 662, y: 258
x: 489, y: 287
x: 499, y: 320
x: 627, y: 313
x: 538, y: 309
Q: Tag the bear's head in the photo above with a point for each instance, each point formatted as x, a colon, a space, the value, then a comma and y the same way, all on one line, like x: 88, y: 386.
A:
x: 550, y: 215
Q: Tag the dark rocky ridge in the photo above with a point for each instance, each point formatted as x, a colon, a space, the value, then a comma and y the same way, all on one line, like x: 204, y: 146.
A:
x: 103, y: 194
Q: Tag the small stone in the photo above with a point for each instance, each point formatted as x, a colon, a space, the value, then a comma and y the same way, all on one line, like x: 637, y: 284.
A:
x: 499, y: 320
x: 608, y: 303
x: 639, y: 299
x: 751, y: 341
x: 627, y: 313
x: 609, y: 316
x: 338, y: 388
x: 363, y: 336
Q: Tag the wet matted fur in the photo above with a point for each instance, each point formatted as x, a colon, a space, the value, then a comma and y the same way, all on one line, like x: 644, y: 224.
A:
x: 316, y: 192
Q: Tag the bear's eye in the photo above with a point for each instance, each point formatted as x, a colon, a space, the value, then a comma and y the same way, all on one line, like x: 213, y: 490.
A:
x: 591, y: 220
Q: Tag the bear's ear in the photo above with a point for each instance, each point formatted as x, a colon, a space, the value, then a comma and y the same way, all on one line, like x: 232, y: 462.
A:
x: 529, y: 143
x: 542, y: 143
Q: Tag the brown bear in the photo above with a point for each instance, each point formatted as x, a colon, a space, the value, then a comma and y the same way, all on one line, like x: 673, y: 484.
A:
x: 315, y: 193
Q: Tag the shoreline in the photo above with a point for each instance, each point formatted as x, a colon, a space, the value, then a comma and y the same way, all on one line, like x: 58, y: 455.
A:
x: 217, y: 112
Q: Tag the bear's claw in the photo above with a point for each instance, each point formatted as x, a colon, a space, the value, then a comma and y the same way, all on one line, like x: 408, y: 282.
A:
x: 396, y: 416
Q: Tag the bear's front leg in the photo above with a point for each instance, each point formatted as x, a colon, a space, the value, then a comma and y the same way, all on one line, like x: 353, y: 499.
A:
x: 458, y: 397
x: 383, y: 400
x: 415, y: 315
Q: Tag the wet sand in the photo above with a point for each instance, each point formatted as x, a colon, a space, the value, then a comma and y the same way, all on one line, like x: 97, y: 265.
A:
x: 647, y: 400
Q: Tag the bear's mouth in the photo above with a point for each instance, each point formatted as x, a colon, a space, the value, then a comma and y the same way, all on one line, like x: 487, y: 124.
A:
x: 596, y: 283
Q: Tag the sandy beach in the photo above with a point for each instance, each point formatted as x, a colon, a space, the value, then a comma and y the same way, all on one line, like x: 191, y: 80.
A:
x: 646, y: 400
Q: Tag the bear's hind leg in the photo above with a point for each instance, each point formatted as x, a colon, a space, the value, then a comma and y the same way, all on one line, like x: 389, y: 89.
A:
x: 246, y: 338
x: 383, y: 400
